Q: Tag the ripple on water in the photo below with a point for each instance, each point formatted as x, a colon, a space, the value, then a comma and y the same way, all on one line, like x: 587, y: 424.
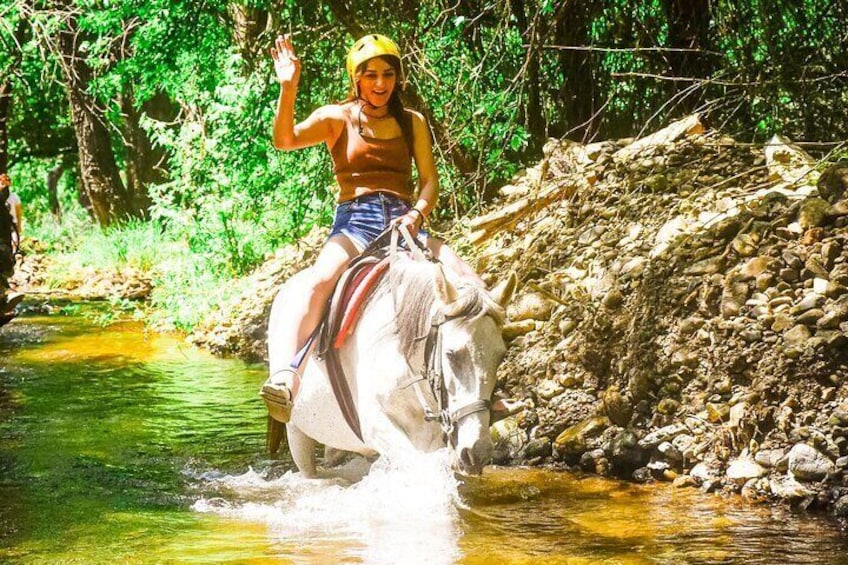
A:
x: 403, y: 511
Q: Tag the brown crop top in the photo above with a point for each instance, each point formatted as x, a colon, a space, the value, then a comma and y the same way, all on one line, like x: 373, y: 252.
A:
x: 365, y: 165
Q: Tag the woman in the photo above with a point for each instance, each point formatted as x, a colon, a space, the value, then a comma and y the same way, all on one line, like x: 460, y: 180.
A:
x: 373, y: 141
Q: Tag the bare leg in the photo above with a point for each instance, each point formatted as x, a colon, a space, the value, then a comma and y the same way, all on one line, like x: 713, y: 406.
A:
x: 298, y: 308
x: 454, y: 262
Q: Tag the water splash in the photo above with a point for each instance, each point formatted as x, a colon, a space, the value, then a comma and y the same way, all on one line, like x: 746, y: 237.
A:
x: 403, y: 511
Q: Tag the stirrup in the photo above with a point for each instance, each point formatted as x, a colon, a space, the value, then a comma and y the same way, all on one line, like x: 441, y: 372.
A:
x: 278, y: 397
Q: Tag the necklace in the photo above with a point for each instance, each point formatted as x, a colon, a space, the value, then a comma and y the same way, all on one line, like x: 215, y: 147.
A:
x: 370, y: 117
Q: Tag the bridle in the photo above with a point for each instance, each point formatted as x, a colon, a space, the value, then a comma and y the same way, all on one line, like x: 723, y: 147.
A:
x: 435, y: 377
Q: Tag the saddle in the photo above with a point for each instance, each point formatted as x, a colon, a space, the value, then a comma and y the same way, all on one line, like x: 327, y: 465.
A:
x: 343, y: 310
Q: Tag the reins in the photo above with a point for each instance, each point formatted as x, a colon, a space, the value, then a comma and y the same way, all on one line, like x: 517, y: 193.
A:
x: 433, y: 370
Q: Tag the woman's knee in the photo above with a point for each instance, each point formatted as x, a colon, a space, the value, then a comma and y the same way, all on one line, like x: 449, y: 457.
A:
x: 321, y: 282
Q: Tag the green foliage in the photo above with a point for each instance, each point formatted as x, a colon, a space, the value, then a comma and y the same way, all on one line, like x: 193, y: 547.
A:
x: 492, y: 76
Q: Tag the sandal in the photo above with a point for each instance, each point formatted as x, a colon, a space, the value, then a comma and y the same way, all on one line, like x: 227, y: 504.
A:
x: 278, y: 398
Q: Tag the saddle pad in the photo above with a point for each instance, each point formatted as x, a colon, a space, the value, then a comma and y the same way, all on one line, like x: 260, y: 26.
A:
x: 354, y: 297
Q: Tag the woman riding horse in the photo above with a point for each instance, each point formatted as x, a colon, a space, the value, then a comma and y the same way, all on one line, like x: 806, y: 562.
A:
x: 373, y: 141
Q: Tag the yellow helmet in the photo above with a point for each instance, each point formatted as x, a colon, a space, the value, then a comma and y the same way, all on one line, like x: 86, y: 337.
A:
x: 368, y: 47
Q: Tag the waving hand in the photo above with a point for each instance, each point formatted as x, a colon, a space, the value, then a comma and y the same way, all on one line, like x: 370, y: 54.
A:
x: 286, y: 63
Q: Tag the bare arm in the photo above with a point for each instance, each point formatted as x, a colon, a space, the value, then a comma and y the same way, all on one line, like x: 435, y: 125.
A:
x: 428, y: 177
x: 321, y: 126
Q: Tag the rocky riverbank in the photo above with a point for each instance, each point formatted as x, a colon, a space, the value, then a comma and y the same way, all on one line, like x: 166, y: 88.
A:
x: 683, y: 314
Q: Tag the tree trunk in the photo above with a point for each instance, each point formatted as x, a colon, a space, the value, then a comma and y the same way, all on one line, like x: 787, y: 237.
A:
x: 144, y: 162
x: 688, y: 28
x: 534, y: 34
x: 578, y: 96
x: 248, y: 25
x: 5, y: 103
x: 110, y: 201
x: 53, y: 177
x: 7, y: 259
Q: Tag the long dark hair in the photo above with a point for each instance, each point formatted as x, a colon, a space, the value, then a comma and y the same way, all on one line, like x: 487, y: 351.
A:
x: 396, y: 108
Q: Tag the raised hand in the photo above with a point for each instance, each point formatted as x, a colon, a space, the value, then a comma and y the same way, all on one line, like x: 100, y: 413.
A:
x: 286, y: 63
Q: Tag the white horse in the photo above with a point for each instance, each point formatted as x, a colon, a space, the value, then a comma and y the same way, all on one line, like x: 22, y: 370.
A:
x: 384, y: 362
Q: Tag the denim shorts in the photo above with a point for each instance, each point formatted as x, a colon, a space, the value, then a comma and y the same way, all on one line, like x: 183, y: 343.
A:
x: 366, y: 217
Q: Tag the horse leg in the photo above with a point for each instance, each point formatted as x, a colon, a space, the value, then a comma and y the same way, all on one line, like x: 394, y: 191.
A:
x: 302, y: 448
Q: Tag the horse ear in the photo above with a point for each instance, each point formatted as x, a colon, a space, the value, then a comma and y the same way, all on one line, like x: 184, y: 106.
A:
x: 445, y: 291
x: 503, y: 292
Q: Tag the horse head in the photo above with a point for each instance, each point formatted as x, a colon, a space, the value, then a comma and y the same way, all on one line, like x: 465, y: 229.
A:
x: 468, y: 352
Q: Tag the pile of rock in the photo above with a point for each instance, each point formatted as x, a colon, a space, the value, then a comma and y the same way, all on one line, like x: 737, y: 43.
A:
x: 684, y: 314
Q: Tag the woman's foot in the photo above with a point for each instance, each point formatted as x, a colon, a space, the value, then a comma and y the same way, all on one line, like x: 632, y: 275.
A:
x: 278, y: 396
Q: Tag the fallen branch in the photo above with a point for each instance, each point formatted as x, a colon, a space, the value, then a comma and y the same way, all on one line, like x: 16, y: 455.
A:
x: 690, y: 125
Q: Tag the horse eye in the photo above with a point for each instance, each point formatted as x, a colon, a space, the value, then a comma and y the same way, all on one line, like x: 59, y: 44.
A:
x: 460, y: 361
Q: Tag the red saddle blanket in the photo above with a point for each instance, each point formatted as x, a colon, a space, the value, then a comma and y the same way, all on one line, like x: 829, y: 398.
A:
x: 353, y: 296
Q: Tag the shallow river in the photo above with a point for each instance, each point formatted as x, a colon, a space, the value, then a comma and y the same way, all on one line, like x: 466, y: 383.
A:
x: 121, y: 446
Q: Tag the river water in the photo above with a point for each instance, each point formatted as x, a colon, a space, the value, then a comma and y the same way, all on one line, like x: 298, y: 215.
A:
x: 123, y: 446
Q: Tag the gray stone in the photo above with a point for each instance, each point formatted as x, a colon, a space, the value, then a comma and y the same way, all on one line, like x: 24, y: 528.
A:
x: 744, y: 245
x: 742, y: 470
x: 624, y: 453
x: 830, y: 251
x: 828, y: 321
x: 531, y: 306
x: 764, y: 281
x: 613, y: 299
x: 573, y: 440
x: 840, y: 507
x: 809, y: 302
x: 548, y: 388
x: 792, y: 261
x: 691, y: 325
x: 685, y: 444
x: 667, y: 433
x: 769, y: 457
x: 684, y: 481
x: 617, y: 407
x: 538, y: 447
x: 788, y: 488
x: 782, y: 322
x: 703, y: 472
x: 642, y: 475
x: 508, y: 438
x: 778, y: 299
x: 808, y: 464
x: 670, y: 452
x: 733, y: 297
x: 816, y: 268
x: 789, y: 275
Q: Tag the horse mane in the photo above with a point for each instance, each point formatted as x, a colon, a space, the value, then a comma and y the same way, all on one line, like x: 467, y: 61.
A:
x: 410, y: 283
